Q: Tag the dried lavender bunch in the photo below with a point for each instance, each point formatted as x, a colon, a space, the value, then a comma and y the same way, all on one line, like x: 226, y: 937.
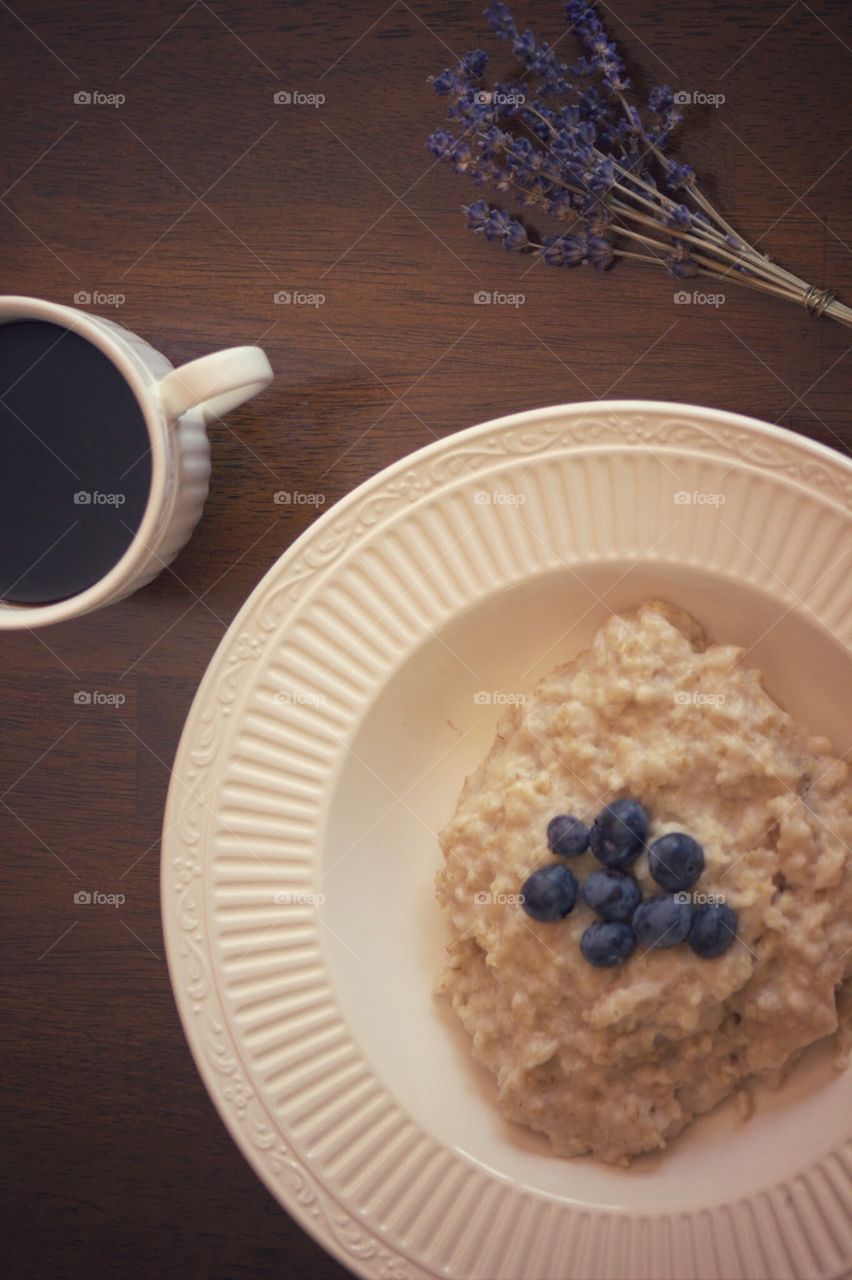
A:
x: 568, y: 140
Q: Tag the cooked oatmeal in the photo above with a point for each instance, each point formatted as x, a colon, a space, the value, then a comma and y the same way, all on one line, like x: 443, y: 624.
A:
x: 616, y: 1061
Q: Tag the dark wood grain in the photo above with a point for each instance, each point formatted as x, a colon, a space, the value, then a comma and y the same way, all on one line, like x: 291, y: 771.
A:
x: 115, y: 1156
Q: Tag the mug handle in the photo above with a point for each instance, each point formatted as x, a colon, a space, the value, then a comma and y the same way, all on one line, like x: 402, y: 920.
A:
x: 215, y: 384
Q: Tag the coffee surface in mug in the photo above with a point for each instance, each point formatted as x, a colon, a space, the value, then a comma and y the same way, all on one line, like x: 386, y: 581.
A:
x: 75, y: 463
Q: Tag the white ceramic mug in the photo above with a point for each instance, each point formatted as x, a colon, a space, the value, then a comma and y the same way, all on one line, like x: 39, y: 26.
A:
x: 177, y: 404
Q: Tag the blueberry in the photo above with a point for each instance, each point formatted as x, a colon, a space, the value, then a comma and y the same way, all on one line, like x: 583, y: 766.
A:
x: 676, y: 861
x: 607, y: 944
x: 619, y: 833
x: 614, y: 895
x: 662, y: 921
x: 714, y: 928
x: 550, y: 893
x: 567, y: 836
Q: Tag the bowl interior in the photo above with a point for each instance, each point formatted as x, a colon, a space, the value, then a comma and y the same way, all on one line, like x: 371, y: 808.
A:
x: 424, y: 732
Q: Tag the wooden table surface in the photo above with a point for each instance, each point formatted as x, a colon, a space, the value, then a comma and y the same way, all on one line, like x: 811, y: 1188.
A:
x: 197, y: 199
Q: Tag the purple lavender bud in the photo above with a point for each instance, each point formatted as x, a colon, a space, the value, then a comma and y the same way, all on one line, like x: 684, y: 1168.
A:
x: 477, y: 214
x: 680, y: 217
x: 499, y: 17
x: 461, y: 157
x: 496, y: 225
x: 493, y: 140
x: 680, y: 175
x: 509, y: 99
x: 440, y: 143
x: 600, y: 179
x: 443, y: 84
x: 681, y: 268
x: 524, y: 46
x: 474, y: 63
x: 563, y: 251
x: 599, y: 252
x: 516, y: 237
x: 668, y: 121
x: 661, y: 99
x: 598, y: 220
x: 578, y: 11
x: 561, y: 205
x: 615, y: 83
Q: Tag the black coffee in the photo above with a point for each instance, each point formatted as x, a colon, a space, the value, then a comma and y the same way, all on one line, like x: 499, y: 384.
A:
x: 75, y: 467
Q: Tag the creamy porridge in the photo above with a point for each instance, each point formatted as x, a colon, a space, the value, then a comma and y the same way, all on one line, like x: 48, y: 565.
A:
x: 612, y: 1048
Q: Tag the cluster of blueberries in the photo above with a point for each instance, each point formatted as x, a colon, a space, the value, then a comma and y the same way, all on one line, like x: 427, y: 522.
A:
x: 617, y: 837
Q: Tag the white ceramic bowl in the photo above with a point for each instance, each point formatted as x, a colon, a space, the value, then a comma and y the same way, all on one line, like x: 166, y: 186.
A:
x: 326, y: 747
